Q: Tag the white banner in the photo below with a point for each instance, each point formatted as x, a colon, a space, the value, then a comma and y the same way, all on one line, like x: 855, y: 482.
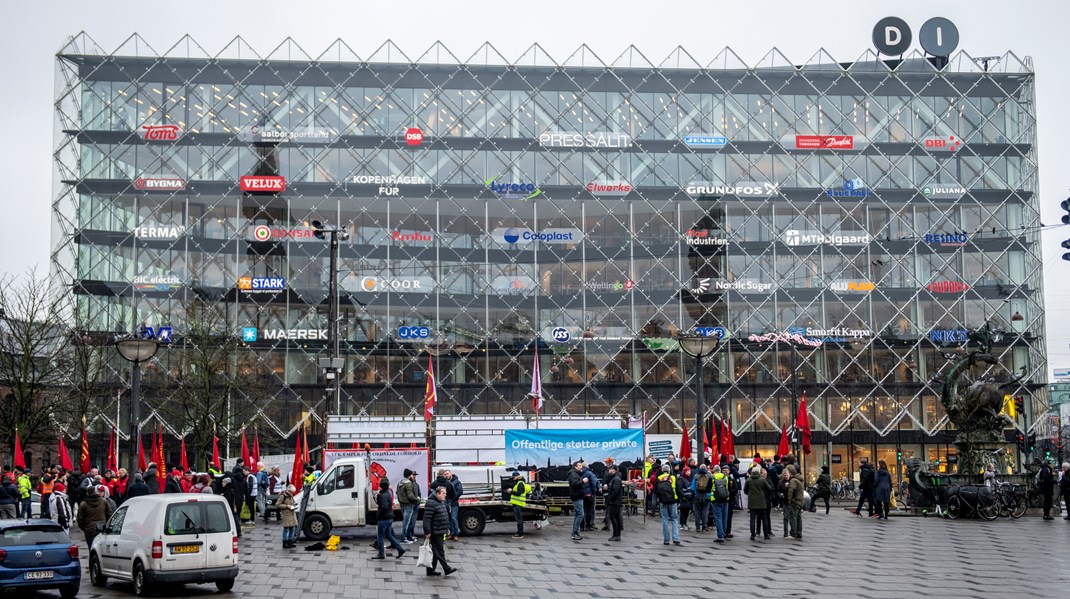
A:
x: 391, y: 462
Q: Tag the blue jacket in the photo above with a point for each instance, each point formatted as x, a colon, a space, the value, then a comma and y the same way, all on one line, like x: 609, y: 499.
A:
x: 592, y: 482
x: 458, y: 488
x: 708, y: 495
x: 9, y: 493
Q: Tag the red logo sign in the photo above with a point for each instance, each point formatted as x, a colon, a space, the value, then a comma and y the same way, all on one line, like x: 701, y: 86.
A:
x: 951, y: 143
x: 272, y: 184
x: 159, y: 183
x: 414, y: 136
x: 948, y: 287
x: 159, y: 132
x: 824, y: 142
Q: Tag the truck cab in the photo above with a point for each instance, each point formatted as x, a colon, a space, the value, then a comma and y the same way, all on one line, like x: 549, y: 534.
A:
x: 340, y: 497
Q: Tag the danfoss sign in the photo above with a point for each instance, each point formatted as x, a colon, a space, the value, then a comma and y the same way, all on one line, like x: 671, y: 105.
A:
x: 824, y: 142
x: 259, y: 183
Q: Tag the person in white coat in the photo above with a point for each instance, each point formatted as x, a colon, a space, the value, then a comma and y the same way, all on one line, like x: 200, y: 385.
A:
x: 59, y: 508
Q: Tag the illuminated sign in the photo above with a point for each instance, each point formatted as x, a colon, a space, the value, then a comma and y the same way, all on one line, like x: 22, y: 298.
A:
x: 398, y: 284
x: 609, y: 188
x: 518, y: 236
x: 741, y: 286
x: 943, y: 336
x: 265, y: 233
x: 949, y: 143
x: 947, y: 239
x: 785, y: 338
x: 626, y: 285
x: 943, y: 192
x: 160, y: 132
x: 750, y: 189
x: 159, y: 184
x: 158, y: 232
x: 256, y: 134
x: 794, y: 238
x: 824, y: 142
x: 156, y: 282
x: 948, y: 287
x: 261, y: 284
x: 833, y: 335
x: 585, y: 140
x: 701, y: 237
x: 415, y: 236
x: 513, y: 191
x: 705, y: 141
x: 852, y: 188
x: 258, y: 183
x: 852, y: 285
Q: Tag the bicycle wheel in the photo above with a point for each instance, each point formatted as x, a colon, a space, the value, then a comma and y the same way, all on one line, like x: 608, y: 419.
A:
x: 1004, y: 503
x: 1018, y: 506
x: 987, y: 508
x: 954, y: 507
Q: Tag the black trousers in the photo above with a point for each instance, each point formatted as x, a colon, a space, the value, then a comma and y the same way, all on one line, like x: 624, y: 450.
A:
x: 588, y: 511
x: 728, y: 520
x: 756, y: 522
x: 615, y: 520
x: 1047, y: 503
x: 865, y: 496
x: 250, y: 502
x: 438, y: 552
x: 518, y: 515
x: 820, y: 495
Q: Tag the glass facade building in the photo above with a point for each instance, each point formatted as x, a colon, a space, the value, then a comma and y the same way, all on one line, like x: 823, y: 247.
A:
x: 840, y: 225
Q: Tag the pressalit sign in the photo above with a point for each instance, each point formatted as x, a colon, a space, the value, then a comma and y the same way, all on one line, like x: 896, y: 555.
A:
x: 593, y: 139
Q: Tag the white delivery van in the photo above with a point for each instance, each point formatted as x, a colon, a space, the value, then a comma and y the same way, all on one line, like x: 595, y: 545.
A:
x: 167, y: 539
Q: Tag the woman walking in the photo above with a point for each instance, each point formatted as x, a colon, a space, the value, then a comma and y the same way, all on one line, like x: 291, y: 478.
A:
x: 883, y: 489
x: 824, y: 490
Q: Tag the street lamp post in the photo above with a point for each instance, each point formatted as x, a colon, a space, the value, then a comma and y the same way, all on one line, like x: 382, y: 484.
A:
x: 334, y: 364
x: 699, y: 347
x: 136, y: 350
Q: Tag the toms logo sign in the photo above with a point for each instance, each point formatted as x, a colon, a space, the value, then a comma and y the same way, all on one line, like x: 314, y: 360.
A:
x: 268, y: 184
x: 160, y: 132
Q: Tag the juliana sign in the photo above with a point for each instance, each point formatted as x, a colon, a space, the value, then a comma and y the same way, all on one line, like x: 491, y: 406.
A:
x: 943, y: 192
x: 598, y: 139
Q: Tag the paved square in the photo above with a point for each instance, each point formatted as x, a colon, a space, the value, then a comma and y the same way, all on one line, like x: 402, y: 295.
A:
x: 841, y: 556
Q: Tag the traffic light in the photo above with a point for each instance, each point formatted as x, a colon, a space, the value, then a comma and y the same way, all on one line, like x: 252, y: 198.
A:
x: 899, y: 454
x: 1019, y: 403
x: 1032, y: 442
x: 1065, y: 205
x: 1019, y: 440
x: 1066, y: 246
x: 317, y: 229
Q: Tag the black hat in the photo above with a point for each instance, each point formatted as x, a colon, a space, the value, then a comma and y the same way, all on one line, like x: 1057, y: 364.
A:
x: 408, y: 473
x: 517, y: 474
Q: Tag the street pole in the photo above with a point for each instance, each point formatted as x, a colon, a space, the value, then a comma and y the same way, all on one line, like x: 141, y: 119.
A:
x: 700, y: 417
x: 332, y: 330
x: 135, y: 417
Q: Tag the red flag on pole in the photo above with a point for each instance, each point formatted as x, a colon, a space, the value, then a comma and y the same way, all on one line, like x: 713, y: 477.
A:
x: 256, y: 452
x: 715, y: 442
x: 83, y: 461
x: 297, y: 475
x: 64, y: 457
x: 430, y: 394
x: 728, y: 444
x: 802, y: 422
x: 182, y: 461
x: 244, y: 448
x: 161, y: 461
x: 215, y: 454
x: 142, y: 465
x: 784, y: 448
x: 536, y: 384
x: 706, y: 444
x: 20, y: 460
x: 307, y: 456
x: 112, y: 461
x: 685, y: 445
x: 154, y: 451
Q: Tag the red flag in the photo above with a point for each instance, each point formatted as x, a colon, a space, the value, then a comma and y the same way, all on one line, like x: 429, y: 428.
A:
x: 802, y: 422
x: 706, y: 444
x: 182, y: 462
x: 112, y: 461
x: 783, y: 449
x: 430, y: 394
x: 685, y: 445
x: 256, y: 452
x: 297, y: 475
x: 154, y: 450
x: 715, y: 442
x: 83, y: 462
x: 161, y: 462
x: 64, y: 457
x: 728, y: 444
x: 142, y: 465
x: 215, y: 454
x: 20, y: 460
x: 244, y: 448
x: 307, y: 456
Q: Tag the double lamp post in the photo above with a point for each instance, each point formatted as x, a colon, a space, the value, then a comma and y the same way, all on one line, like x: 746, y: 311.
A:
x: 699, y: 347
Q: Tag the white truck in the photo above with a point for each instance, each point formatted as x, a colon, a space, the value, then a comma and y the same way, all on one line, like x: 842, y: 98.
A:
x: 342, y: 497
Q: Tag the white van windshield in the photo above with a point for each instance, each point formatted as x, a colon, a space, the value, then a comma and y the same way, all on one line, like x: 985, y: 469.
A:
x: 197, y: 518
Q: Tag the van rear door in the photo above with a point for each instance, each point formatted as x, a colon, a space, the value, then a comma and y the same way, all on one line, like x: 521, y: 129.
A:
x: 221, y: 536
x: 185, y: 540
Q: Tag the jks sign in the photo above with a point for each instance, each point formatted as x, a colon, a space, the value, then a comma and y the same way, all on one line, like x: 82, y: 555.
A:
x: 267, y: 184
x: 824, y: 142
x: 160, y: 132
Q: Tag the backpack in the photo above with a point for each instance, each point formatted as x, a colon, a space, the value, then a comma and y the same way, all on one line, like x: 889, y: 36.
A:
x: 720, y: 488
x: 702, y: 483
x: 665, y: 491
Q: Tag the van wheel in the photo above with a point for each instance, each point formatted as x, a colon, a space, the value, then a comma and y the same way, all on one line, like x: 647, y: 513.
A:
x: 224, y: 585
x: 317, y: 527
x: 472, y: 522
x: 141, y: 588
x: 96, y: 577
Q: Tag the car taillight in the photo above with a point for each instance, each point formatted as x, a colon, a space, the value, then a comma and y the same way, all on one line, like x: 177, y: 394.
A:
x: 157, y: 549
x: 3, y: 555
x: 73, y: 551
x: 234, y: 544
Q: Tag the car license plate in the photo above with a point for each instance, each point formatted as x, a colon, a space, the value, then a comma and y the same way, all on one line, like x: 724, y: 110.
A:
x: 40, y: 575
x: 185, y: 549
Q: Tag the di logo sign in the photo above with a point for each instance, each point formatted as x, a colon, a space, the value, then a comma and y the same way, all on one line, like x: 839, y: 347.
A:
x: 937, y: 36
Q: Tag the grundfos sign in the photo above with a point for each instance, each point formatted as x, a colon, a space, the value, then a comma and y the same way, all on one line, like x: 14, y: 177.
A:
x: 762, y: 189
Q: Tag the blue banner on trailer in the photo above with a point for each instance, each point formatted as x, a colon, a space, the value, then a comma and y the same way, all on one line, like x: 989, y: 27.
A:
x: 560, y: 447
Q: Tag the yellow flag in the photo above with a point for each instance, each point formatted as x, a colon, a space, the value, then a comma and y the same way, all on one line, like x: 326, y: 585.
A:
x: 1008, y: 407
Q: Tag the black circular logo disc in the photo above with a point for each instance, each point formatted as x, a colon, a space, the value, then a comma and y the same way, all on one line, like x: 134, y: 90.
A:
x: 891, y: 36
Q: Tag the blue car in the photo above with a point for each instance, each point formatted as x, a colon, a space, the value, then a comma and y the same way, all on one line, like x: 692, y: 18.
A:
x: 37, y: 554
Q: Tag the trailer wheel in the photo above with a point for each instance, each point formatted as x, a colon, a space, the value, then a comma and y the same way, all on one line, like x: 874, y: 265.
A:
x: 472, y: 522
x: 317, y: 527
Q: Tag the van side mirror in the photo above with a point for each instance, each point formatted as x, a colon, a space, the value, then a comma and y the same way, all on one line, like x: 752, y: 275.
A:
x: 100, y: 527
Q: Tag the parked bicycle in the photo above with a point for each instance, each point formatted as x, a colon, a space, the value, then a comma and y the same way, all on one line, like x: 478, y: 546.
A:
x: 1011, y: 499
x: 977, y: 499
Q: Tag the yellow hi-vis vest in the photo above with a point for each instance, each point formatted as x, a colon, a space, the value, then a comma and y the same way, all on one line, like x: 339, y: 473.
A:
x: 671, y: 479
x: 519, y: 495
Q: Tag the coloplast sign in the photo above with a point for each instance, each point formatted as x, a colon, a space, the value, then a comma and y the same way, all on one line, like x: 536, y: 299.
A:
x: 522, y: 236
x: 263, y: 183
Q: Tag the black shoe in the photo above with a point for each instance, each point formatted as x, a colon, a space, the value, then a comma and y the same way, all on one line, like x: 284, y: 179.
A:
x: 767, y: 537
x: 718, y: 540
x: 577, y: 538
x: 449, y: 571
x: 676, y: 542
x: 752, y: 537
x: 614, y: 538
x: 1048, y: 518
x: 431, y: 572
x: 605, y: 527
x: 728, y: 536
x: 379, y: 557
x: 401, y: 552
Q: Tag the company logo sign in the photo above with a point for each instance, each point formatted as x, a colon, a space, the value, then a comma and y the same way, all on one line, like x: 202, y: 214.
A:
x: 785, y: 338
x: 852, y: 285
x: 626, y: 285
x: 256, y: 133
x: 250, y: 334
x: 156, y: 282
x: 159, y: 184
x: 824, y: 142
x: 852, y: 188
x: 947, y: 239
x: 948, y: 287
x: 794, y: 238
x: 942, y: 336
x: 705, y: 141
x: 561, y: 335
x: 702, y: 237
x: 161, y: 334
x: 265, y: 233
x: 400, y: 284
x: 718, y: 332
x: 258, y: 183
x: 585, y: 140
x: 513, y: 285
x: 415, y: 236
x: 414, y: 333
x: 517, y: 236
x: 949, y: 143
x: 261, y: 284
x: 513, y: 190
x: 609, y: 188
x: 833, y: 335
x: 944, y: 192
x: 763, y: 189
x: 413, y: 136
x: 158, y: 232
x: 160, y: 132
x: 389, y: 180
x: 741, y: 286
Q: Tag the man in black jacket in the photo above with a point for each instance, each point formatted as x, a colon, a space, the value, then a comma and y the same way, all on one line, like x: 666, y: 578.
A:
x: 866, y: 485
x: 436, y: 527
x: 577, y: 489
x: 384, y: 517
x: 1046, y: 486
x: 614, y: 501
x: 174, y: 484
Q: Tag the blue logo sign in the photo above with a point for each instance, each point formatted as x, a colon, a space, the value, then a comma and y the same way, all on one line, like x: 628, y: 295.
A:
x: 511, y: 236
x: 705, y: 141
x: 947, y: 239
x: 161, y: 334
x: 414, y: 333
x: 513, y: 190
x: 852, y: 188
x: 564, y: 446
x: 718, y: 332
x: 248, y: 334
x: 561, y: 335
x: 941, y: 336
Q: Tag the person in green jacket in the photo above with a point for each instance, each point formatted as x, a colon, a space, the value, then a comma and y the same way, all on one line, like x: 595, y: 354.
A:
x: 758, y: 488
x: 796, y: 500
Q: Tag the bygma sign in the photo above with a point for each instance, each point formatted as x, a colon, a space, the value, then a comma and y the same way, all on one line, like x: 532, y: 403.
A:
x: 937, y: 36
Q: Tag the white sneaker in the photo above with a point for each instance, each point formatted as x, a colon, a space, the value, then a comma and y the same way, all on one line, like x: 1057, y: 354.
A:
x: 407, y: 542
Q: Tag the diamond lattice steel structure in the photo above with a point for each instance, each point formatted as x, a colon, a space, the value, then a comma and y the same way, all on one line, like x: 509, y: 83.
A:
x: 840, y: 221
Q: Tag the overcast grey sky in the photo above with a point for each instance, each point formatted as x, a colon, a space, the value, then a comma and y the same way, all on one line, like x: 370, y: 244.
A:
x: 37, y: 30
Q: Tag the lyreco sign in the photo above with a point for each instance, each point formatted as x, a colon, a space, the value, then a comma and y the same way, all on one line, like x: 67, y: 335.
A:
x: 750, y: 189
x: 561, y: 447
x: 522, y: 236
x: 513, y: 191
x: 585, y: 140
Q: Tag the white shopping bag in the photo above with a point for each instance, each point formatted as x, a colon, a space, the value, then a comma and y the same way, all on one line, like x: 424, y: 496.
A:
x: 426, y: 558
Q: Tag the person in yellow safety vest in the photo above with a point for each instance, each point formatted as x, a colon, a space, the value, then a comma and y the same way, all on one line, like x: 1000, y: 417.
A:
x: 518, y: 496
x: 667, y: 490
x: 45, y: 488
x: 22, y: 480
x: 310, y: 476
